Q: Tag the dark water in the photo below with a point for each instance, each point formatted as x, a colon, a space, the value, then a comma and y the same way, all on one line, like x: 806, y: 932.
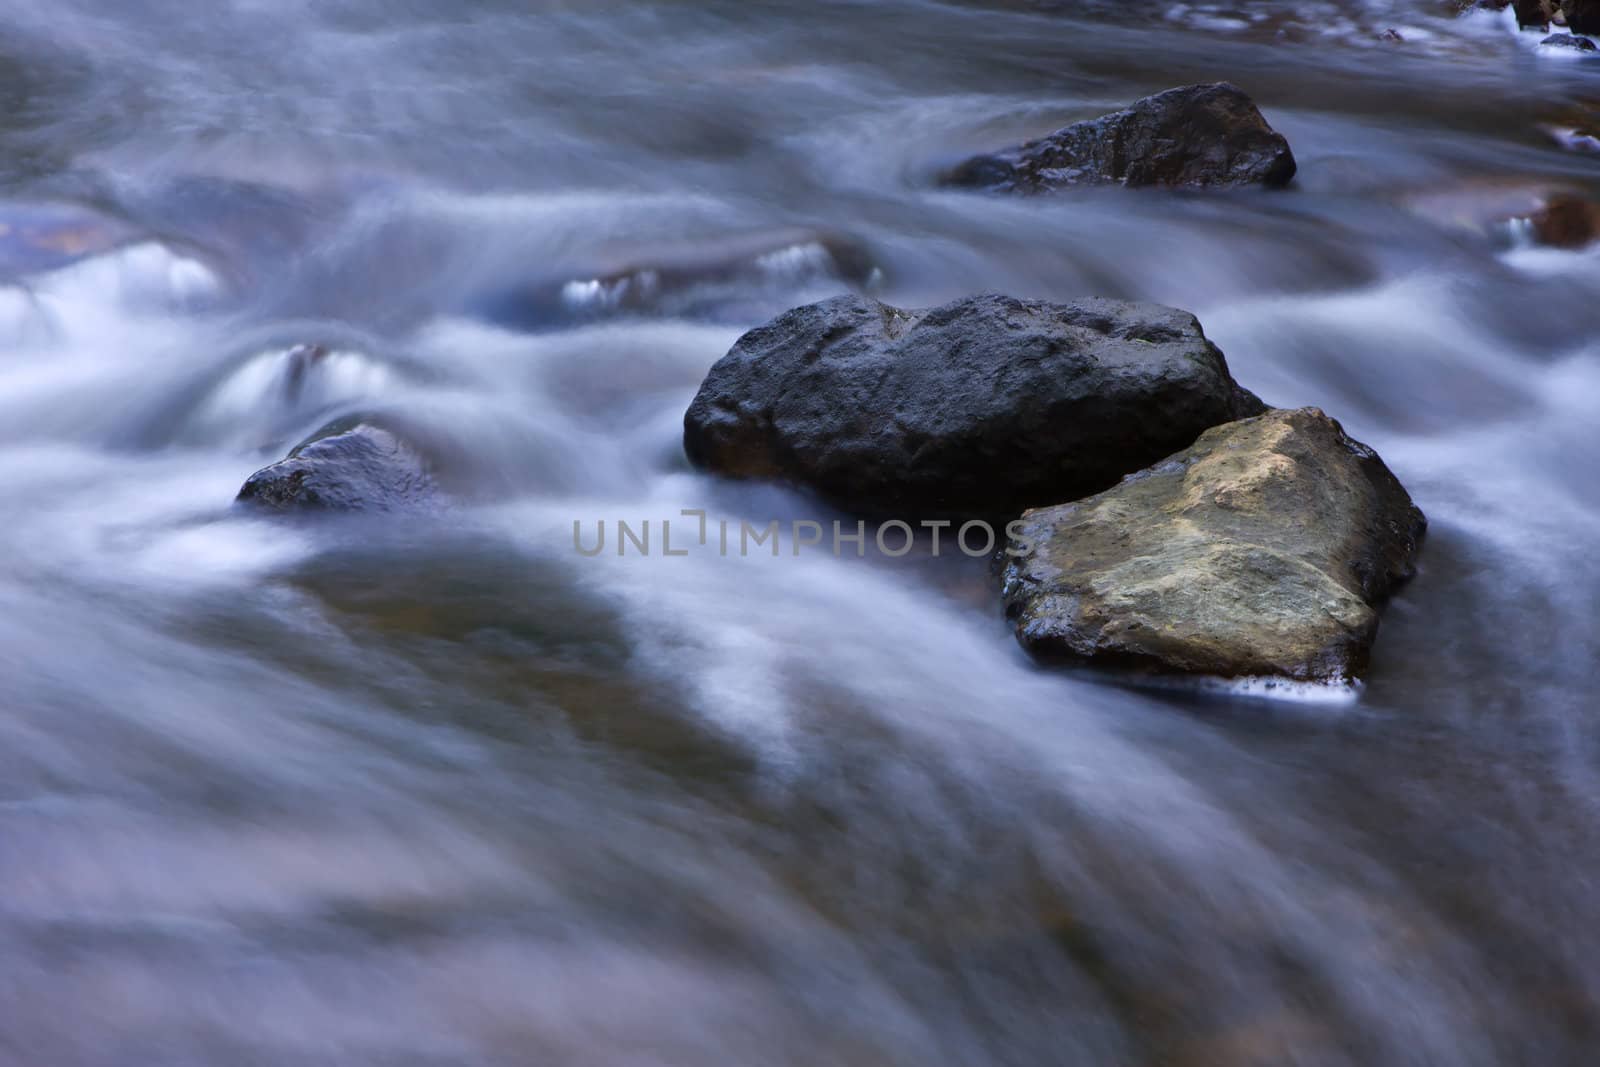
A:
x: 437, y: 790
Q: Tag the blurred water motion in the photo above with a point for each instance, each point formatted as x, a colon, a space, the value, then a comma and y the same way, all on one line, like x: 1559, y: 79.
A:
x: 441, y: 791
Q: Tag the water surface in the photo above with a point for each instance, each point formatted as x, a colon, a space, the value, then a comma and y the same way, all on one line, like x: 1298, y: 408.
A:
x: 437, y: 790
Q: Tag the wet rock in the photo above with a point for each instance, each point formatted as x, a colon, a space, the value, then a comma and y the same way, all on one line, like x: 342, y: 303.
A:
x: 1583, y: 16
x: 1536, y: 14
x: 718, y: 278
x: 352, y: 468
x: 1566, y: 221
x: 36, y: 238
x: 238, y: 233
x: 982, y: 407
x: 1263, y: 550
x: 1567, y: 42
x: 1548, y: 215
x: 1478, y: 206
x: 1530, y: 13
x: 1199, y: 135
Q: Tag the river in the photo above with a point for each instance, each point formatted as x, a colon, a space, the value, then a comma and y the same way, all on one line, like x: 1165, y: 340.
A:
x: 436, y: 789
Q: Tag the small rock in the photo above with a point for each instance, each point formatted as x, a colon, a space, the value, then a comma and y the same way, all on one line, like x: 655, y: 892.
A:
x: 1566, y: 221
x: 1264, y: 550
x: 1199, y: 135
x: 982, y: 407
x: 359, y: 468
x: 1569, y: 42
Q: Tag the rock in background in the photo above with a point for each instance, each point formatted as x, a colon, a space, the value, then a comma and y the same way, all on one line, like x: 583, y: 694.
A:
x: 982, y: 407
x: 1199, y: 135
x: 1583, y: 16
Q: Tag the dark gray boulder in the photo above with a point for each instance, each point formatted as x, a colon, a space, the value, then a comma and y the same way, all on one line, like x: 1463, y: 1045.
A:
x: 1199, y: 135
x: 361, y: 468
x: 1265, y: 549
x: 982, y: 407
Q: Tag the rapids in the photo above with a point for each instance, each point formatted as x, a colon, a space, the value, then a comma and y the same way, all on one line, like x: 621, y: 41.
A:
x: 440, y: 790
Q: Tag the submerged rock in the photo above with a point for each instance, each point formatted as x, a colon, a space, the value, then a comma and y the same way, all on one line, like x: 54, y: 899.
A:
x: 1566, y: 221
x: 1575, y: 124
x: 1199, y: 135
x: 982, y: 407
x: 1263, y: 550
x: 36, y: 238
x: 244, y: 230
x: 360, y: 468
x: 1568, y: 42
x: 1535, y: 13
x: 1480, y: 207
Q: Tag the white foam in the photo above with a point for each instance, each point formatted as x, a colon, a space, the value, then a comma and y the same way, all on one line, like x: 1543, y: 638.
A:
x: 148, y: 273
x: 1289, y: 691
x: 253, y: 402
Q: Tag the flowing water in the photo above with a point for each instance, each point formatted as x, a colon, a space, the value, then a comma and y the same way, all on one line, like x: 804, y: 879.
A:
x: 436, y: 789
